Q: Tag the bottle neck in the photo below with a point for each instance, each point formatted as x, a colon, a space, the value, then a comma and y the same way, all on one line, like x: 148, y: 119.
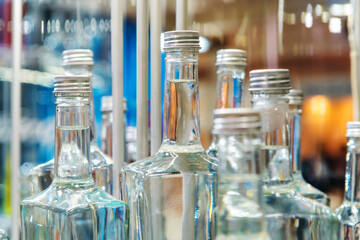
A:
x: 274, y: 135
x: 181, y: 103
x: 352, y: 176
x: 84, y: 69
x: 295, y: 138
x: 230, y: 86
x: 106, y: 132
x: 240, y: 165
x: 72, y: 138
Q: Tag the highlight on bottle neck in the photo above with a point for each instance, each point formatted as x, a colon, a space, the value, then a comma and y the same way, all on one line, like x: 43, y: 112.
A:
x: 231, y: 64
x: 352, y: 183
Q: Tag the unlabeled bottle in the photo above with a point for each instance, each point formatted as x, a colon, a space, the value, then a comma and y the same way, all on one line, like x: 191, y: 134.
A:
x: 239, y: 211
x: 172, y: 194
x: 289, y: 215
x: 72, y: 207
x: 78, y: 62
x: 231, y: 64
x: 349, y: 211
x: 3, y: 235
x: 304, y: 188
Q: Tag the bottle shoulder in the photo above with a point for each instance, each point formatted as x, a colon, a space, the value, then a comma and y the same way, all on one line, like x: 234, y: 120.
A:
x: 67, y: 196
x: 98, y: 158
x: 348, y: 211
x: 172, y: 162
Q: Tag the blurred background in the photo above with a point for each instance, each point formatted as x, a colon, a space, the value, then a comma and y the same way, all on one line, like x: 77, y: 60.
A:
x: 309, y: 37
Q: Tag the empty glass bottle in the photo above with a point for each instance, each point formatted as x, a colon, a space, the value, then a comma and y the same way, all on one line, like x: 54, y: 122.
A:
x: 72, y: 207
x: 172, y: 194
x: 349, y: 211
x: 239, y: 210
x: 231, y: 64
x: 78, y: 62
x: 304, y: 188
x: 289, y: 215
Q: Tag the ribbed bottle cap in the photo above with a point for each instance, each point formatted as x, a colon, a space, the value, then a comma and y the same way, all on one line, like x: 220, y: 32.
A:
x: 107, y: 104
x: 231, y: 57
x: 269, y: 79
x: 353, y: 129
x: 181, y: 39
x: 233, y: 120
x: 78, y: 57
x: 295, y: 97
x: 74, y: 84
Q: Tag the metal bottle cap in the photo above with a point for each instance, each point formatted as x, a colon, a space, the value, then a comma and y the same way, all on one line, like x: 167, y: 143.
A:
x: 295, y: 97
x: 181, y: 39
x: 74, y: 84
x: 107, y: 104
x: 353, y: 129
x: 235, y: 120
x: 231, y: 57
x: 78, y: 57
x: 269, y: 79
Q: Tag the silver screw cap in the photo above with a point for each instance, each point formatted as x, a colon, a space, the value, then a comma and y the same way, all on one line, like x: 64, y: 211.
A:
x: 353, y: 129
x: 78, y: 57
x: 107, y: 104
x: 181, y: 39
x: 295, y: 97
x: 269, y: 79
x: 235, y: 57
x: 72, y: 84
x: 234, y: 120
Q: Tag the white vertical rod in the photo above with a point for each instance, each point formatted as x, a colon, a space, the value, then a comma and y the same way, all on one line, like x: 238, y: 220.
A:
x: 155, y: 33
x: 142, y: 45
x: 117, y: 8
x: 354, y: 40
x: 16, y: 117
x: 181, y: 14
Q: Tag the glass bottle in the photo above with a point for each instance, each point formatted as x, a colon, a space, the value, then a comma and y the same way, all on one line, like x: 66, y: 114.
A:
x: 107, y: 124
x: 239, y: 208
x: 231, y: 64
x: 78, y: 62
x: 349, y: 211
x: 289, y: 215
x: 304, y: 188
x: 73, y: 207
x: 3, y: 235
x: 172, y: 194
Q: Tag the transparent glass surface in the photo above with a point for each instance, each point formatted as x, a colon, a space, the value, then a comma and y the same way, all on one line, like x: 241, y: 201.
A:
x: 301, y: 185
x: 3, y: 235
x: 239, y: 212
x: 172, y: 194
x: 72, y: 207
x: 289, y: 215
x: 106, y: 132
x: 349, y: 211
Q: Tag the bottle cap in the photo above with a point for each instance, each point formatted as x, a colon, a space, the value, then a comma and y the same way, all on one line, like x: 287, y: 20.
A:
x: 269, y: 79
x: 353, y: 129
x: 107, y: 104
x: 74, y: 84
x: 295, y: 97
x: 234, y: 120
x: 231, y: 57
x: 181, y: 39
x: 78, y: 57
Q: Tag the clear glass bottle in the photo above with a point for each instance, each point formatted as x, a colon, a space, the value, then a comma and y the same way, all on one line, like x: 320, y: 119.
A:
x: 239, y: 211
x: 172, y: 194
x: 3, y: 235
x: 349, y: 211
x: 78, y: 62
x: 289, y: 215
x: 304, y: 188
x: 231, y: 64
x: 73, y: 207
x: 107, y: 124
